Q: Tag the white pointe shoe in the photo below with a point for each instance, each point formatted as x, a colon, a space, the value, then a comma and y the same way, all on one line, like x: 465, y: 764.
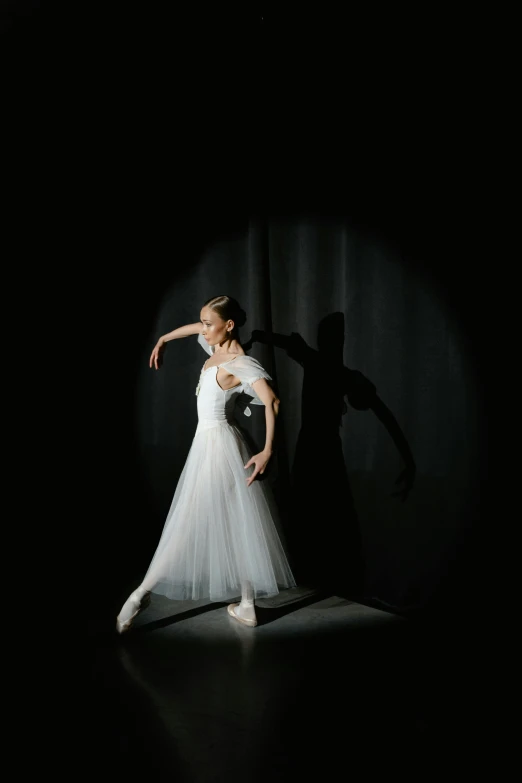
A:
x: 134, y: 604
x: 244, y: 620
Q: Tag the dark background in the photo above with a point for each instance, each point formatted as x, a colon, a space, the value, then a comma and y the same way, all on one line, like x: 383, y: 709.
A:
x: 308, y: 163
x: 402, y: 334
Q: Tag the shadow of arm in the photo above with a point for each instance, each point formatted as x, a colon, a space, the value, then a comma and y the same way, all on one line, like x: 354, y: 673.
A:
x: 293, y: 344
x: 407, y: 476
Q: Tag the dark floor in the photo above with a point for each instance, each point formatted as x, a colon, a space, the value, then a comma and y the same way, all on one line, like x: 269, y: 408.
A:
x: 322, y: 687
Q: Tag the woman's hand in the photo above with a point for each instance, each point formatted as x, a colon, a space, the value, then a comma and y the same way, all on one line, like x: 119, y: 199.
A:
x: 260, y: 461
x: 155, y: 357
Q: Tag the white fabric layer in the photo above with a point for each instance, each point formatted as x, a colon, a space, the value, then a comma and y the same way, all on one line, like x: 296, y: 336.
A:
x: 247, y: 369
x: 219, y: 532
x: 206, y: 347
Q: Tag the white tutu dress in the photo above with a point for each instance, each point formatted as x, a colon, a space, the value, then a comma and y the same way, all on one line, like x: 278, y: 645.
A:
x: 220, y: 534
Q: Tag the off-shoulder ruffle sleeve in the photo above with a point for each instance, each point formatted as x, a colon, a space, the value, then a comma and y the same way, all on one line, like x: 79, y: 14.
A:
x: 206, y: 347
x: 248, y: 370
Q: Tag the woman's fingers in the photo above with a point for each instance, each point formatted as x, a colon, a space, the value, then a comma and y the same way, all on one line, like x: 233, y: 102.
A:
x: 257, y: 469
x: 154, y: 358
x: 259, y: 461
x: 251, y: 478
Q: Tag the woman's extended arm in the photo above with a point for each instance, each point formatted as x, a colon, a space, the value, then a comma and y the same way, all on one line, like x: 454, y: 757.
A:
x: 267, y: 395
x: 181, y: 331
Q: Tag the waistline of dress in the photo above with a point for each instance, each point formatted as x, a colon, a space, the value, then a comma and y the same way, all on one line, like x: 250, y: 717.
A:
x: 208, y: 424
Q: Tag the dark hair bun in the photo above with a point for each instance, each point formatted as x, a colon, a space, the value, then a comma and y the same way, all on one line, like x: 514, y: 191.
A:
x: 227, y: 308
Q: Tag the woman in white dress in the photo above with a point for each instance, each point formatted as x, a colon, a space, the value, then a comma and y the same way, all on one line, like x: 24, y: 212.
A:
x: 220, y: 538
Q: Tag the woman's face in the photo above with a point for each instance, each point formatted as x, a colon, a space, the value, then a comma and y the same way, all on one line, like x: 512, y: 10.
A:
x: 214, y: 329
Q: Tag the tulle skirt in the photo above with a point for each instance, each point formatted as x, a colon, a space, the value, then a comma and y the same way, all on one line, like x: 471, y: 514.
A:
x: 220, y: 534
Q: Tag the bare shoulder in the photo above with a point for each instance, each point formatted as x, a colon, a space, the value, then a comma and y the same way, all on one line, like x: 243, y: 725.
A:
x: 228, y: 362
x: 223, y: 359
x: 229, y: 357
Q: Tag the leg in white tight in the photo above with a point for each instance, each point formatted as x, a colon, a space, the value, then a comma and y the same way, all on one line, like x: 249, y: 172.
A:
x: 131, y: 608
x: 246, y: 608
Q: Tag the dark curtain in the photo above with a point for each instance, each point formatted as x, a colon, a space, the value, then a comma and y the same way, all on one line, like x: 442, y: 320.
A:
x: 317, y: 180
x: 318, y: 166
x: 380, y: 394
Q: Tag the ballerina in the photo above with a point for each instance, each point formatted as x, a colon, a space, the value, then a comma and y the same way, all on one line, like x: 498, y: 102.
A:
x: 220, y: 538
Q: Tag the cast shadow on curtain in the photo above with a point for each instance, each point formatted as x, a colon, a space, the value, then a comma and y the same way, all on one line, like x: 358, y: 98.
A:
x: 317, y: 505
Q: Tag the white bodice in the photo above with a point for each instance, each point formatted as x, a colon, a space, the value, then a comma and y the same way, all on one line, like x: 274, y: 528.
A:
x: 217, y: 404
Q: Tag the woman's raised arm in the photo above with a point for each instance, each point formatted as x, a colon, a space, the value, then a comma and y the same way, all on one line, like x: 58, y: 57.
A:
x: 181, y: 331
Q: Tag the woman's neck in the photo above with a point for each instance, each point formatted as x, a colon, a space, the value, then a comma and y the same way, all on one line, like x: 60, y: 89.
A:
x: 228, y: 346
